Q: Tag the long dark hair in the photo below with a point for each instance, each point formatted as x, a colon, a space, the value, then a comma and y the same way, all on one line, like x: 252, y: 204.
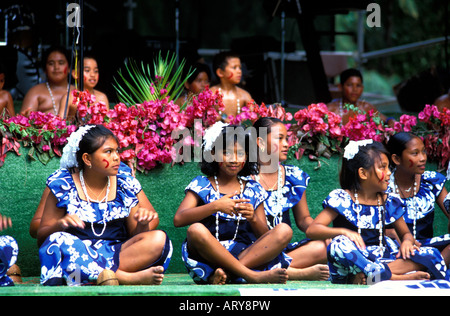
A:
x: 266, y: 122
x: 93, y: 140
x: 365, y: 158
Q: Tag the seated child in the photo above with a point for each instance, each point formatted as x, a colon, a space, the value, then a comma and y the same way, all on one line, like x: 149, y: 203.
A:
x: 352, y: 87
x: 227, y: 67
x: 46, y: 97
x: 228, y: 238
x: 196, y: 83
x: 90, y: 80
x: 360, y: 251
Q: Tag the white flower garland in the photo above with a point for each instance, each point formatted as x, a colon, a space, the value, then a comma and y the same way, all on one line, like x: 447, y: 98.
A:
x: 352, y: 148
x: 69, y: 156
x: 211, y: 135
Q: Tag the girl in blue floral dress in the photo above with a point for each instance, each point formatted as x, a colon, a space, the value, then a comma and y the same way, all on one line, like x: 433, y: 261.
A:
x: 93, y: 228
x: 286, y: 186
x: 418, y: 189
x: 360, y: 252
x: 8, y: 253
x: 228, y: 239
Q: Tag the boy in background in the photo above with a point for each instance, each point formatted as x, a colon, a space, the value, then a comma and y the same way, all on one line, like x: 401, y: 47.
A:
x: 227, y: 66
x: 352, y: 87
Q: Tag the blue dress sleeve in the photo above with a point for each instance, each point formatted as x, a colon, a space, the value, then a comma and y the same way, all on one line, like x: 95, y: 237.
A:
x: 297, y: 180
x: 202, y: 187
x: 394, y: 208
x: 128, y: 187
x: 255, y: 192
x: 341, y: 202
x: 62, y: 186
x: 436, y: 180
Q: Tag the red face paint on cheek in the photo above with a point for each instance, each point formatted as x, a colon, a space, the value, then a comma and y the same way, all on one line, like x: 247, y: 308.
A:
x: 411, y: 164
x: 106, y: 163
x: 230, y: 76
x: 382, y: 177
x: 65, y: 70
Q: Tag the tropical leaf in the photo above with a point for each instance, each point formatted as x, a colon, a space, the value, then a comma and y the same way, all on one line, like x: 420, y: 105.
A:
x: 138, y: 83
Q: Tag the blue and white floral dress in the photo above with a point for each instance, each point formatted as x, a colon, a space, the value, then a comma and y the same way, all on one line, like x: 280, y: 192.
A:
x: 345, y: 259
x: 421, y: 208
x: 295, y: 183
x: 277, y: 209
x: 199, y: 270
x: 77, y: 256
x: 9, y: 251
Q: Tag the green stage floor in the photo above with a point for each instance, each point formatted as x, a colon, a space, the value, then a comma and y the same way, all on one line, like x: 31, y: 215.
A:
x: 181, y: 285
x: 173, y: 285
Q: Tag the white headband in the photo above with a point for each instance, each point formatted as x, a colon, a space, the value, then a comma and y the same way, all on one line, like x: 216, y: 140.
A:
x: 69, y: 156
x: 352, y: 148
x: 211, y: 135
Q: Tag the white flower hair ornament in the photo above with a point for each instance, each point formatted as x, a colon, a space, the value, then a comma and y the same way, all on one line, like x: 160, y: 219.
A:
x: 352, y: 148
x: 69, y: 156
x: 211, y: 135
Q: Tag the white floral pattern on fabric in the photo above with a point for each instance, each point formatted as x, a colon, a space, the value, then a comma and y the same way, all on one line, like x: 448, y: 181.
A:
x: 9, y: 250
x: 202, y: 187
x: 62, y: 186
x: 422, y: 205
x: 345, y: 259
x: 77, y: 256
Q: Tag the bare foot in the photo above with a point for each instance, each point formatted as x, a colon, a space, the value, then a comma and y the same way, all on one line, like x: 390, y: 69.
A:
x: 219, y: 277
x: 150, y: 276
x: 318, y: 272
x: 271, y: 276
x: 417, y: 275
x: 156, y: 275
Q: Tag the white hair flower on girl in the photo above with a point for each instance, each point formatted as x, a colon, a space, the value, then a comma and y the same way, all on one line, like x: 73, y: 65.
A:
x: 352, y: 148
x: 69, y: 156
x: 211, y: 135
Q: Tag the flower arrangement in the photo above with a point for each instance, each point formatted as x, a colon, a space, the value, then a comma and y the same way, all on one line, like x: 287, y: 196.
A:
x: 317, y: 132
x: 252, y: 112
x: 437, y: 137
x: 145, y: 130
x: 45, y: 134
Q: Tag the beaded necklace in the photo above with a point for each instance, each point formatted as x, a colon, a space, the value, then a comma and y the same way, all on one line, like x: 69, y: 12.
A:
x: 413, y: 204
x: 89, y: 200
x: 380, y: 208
x: 217, y: 214
x: 278, y: 207
x: 53, y: 99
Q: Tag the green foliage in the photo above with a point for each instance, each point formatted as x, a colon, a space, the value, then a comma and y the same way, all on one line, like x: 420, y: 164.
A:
x: 142, y: 84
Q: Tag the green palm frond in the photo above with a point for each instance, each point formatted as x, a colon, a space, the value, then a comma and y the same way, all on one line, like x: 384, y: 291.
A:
x: 142, y: 85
